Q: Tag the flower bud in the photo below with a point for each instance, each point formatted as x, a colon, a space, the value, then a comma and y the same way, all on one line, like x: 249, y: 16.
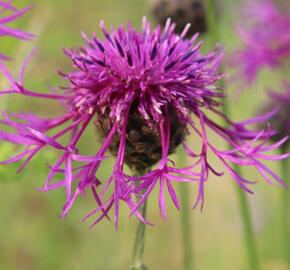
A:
x: 182, y: 13
x: 280, y: 122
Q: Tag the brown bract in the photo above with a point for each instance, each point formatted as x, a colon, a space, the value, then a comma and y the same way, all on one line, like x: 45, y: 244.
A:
x: 181, y: 12
x: 143, y: 140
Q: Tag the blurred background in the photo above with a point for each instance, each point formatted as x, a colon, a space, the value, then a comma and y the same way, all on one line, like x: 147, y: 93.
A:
x: 31, y: 234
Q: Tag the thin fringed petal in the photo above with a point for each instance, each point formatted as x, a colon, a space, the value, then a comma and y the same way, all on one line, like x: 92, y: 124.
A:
x: 7, y: 31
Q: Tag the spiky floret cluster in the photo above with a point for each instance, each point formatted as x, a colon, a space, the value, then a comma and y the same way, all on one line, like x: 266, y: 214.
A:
x: 264, y: 31
x: 164, y: 77
x: 13, y: 14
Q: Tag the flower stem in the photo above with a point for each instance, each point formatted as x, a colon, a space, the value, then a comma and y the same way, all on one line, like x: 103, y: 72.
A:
x: 286, y: 208
x: 186, y: 229
x: 244, y: 207
x: 139, y: 243
x: 185, y: 221
x: 248, y: 229
x: 245, y: 213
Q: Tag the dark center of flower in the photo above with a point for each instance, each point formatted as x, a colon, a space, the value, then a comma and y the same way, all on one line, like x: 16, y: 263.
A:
x: 143, y: 141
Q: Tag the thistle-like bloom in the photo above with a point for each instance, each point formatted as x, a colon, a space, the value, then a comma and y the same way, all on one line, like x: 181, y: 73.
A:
x: 6, y: 7
x: 265, y: 35
x: 144, y: 91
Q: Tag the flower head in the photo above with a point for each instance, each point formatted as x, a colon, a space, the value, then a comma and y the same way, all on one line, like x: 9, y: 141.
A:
x: 144, y: 92
x: 6, y: 7
x: 265, y: 36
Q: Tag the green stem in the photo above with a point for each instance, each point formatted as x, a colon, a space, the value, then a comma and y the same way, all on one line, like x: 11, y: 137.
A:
x: 244, y: 207
x: 186, y: 228
x: 185, y: 219
x: 285, y: 207
x: 139, y: 243
x: 248, y: 228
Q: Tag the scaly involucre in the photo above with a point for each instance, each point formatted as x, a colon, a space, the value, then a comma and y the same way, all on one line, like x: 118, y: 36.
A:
x: 13, y: 14
x: 157, y: 75
x: 265, y: 35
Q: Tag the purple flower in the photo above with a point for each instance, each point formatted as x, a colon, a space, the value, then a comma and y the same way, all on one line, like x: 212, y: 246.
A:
x: 144, y: 92
x: 6, y: 7
x: 265, y: 35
